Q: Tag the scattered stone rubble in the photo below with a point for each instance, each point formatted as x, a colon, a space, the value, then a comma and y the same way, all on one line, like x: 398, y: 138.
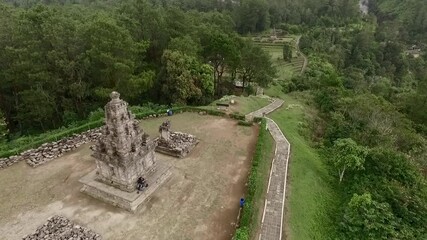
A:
x: 177, y: 144
x: 49, y: 151
x: 61, y: 228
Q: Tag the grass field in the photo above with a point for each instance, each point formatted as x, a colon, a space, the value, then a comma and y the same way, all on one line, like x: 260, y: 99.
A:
x: 243, y: 105
x: 310, y: 197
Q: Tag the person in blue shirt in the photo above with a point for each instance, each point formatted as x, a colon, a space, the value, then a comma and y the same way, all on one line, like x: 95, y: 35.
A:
x: 242, y: 202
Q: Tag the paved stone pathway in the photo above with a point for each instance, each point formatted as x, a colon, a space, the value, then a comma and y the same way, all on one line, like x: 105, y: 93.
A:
x: 267, y: 109
x: 272, y: 218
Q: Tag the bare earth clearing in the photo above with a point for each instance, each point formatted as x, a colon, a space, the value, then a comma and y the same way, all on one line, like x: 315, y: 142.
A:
x: 200, y: 201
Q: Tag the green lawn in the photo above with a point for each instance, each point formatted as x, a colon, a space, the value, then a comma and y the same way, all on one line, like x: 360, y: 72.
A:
x: 310, y: 197
x: 243, y: 105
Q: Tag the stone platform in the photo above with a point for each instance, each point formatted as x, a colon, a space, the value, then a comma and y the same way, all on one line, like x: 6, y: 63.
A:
x: 176, y: 152
x: 127, y: 200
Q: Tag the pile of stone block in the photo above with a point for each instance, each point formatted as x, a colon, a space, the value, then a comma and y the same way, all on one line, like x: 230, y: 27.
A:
x: 61, y: 228
x: 180, y: 139
x: 49, y: 151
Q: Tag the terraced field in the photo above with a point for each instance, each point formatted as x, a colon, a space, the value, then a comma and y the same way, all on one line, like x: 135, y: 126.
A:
x: 286, y: 70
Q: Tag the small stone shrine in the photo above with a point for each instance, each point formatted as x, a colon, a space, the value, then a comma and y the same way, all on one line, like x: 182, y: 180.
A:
x: 176, y: 144
x: 123, y: 153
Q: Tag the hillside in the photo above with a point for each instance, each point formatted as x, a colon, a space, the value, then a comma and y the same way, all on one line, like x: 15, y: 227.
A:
x: 411, y: 16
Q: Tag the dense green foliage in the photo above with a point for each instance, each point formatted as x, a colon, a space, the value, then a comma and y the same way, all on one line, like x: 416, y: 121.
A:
x: 409, y: 18
x: 346, y: 155
x: 60, y: 60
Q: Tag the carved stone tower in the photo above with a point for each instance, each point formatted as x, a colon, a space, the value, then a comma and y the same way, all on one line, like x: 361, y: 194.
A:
x: 124, y: 152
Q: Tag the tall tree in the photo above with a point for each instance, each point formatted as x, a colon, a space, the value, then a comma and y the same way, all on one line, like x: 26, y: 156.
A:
x: 111, y: 55
x: 221, y: 51
x: 346, y: 155
x: 365, y: 218
x: 255, y: 65
x: 185, y: 80
x: 252, y: 16
x: 287, y: 52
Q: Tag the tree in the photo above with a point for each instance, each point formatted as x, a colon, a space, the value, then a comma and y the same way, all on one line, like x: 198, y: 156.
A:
x: 287, y: 52
x: 365, y: 218
x: 45, y: 58
x: 221, y: 51
x: 347, y: 155
x: 185, y: 80
x: 252, y: 16
x: 37, y: 107
x: 110, y: 52
x: 255, y: 65
x: 185, y: 45
x: 416, y: 103
x: 3, y: 128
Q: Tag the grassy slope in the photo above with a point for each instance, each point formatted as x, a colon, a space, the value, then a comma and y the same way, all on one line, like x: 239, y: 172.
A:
x: 310, y: 198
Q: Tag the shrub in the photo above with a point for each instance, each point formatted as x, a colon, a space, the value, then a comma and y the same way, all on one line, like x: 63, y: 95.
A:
x: 96, y: 115
x: 237, y: 116
x: 250, y: 90
x: 244, y: 123
x: 257, y: 119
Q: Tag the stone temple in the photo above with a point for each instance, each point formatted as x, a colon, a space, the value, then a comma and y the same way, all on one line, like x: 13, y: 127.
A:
x: 123, y: 154
x: 176, y: 144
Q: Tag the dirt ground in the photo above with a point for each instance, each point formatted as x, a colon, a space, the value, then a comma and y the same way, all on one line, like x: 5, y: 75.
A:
x: 200, y: 201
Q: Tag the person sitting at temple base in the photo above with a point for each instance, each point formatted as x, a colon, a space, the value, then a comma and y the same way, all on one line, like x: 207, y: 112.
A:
x: 141, y: 184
